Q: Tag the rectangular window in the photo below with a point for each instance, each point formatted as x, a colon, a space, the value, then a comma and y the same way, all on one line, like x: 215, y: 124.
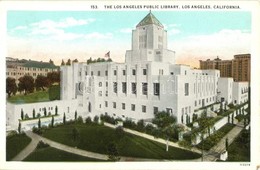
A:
x: 156, y: 89
x: 98, y: 73
x: 144, y: 88
x: 92, y: 73
x: 155, y: 110
x: 106, y: 84
x: 86, y: 73
x: 144, y: 71
x: 133, y: 88
x: 186, y: 89
x: 115, y: 87
x: 123, y: 106
x: 123, y: 87
x: 123, y: 72
x: 106, y: 104
x: 114, y: 72
x: 143, y: 109
x: 106, y: 73
x: 133, y: 72
x: 132, y: 107
x: 114, y: 105
x: 169, y: 110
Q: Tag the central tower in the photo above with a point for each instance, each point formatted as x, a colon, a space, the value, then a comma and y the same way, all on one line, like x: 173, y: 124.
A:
x: 149, y: 42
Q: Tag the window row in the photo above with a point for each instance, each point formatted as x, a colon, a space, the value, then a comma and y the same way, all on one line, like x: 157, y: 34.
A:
x: 132, y: 106
x: 156, y: 88
x: 114, y: 72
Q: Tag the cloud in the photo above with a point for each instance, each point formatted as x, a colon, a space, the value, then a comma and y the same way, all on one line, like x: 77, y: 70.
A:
x: 97, y: 35
x: 64, y: 23
x: 20, y: 28
x: 126, y: 30
x: 225, y: 43
x: 174, y: 31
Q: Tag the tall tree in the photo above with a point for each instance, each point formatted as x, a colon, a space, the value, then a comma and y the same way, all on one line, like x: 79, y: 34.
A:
x: 52, y: 121
x: 51, y: 62
x: 39, y: 123
x: 62, y: 63
x: 19, y: 127
x: 26, y: 84
x: 165, y: 122
x: 68, y: 63
x: 41, y: 82
x: 64, y: 119
x: 53, y: 77
x: 11, y: 87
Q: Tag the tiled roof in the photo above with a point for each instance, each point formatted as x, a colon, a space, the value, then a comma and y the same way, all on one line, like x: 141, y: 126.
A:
x: 149, y: 19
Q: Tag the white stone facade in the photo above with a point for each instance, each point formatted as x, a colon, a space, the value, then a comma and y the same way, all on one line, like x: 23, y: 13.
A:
x: 149, y: 81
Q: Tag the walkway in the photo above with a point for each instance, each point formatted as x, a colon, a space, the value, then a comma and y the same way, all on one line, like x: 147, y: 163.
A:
x: 214, y: 153
x: 36, y: 138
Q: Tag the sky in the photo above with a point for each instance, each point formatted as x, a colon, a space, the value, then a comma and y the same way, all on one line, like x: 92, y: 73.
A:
x: 57, y: 35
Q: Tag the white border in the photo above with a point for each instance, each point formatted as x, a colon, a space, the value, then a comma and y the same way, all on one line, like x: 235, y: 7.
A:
x: 252, y: 6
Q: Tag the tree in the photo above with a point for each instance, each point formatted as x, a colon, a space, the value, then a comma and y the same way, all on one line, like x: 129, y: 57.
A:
x: 52, y: 121
x: 75, y: 133
x: 75, y: 61
x: 163, y: 119
x: 45, y: 111
x: 96, y: 118
x: 68, y: 63
x: 62, y: 63
x: 112, y: 152
x: 26, y: 84
x: 33, y: 113
x: 51, y: 62
x: 226, y: 144
x: 64, y: 119
x: 232, y: 120
x: 165, y: 122
x: 53, y: 77
x: 39, y: 123
x: 22, y: 114
x: 19, y: 127
x: 89, y: 61
x: 11, y: 87
x: 41, y: 82
x: 56, y: 110
x: 76, y: 115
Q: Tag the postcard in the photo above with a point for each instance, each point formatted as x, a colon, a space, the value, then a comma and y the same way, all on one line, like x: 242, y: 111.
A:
x: 130, y: 85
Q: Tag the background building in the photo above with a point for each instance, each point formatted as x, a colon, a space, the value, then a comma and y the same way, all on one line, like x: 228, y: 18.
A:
x: 16, y: 68
x: 238, y: 68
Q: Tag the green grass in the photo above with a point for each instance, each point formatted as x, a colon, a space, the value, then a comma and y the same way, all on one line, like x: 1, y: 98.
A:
x: 15, y: 144
x: 52, y: 154
x: 239, y: 150
x: 41, y: 96
x: 95, y: 138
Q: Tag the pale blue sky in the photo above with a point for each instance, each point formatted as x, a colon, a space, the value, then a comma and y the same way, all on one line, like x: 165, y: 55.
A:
x: 110, y: 30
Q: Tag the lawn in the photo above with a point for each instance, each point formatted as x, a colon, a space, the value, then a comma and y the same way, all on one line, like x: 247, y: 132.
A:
x: 41, y: 96
x: 95, y: 138
x: 15, y: 144
x: 239, y: 150
x: 53, y: 154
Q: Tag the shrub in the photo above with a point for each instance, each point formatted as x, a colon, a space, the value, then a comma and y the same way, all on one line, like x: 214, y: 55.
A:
x: 54, y: 92
x: 26, y: 116
x: 12, y: 133
x: 41, y: 144
x: 119, y: 131
x: 80, y: 120
x: 96, y: 118
x: 108, y: 119
x: 88, y: 120
x: 129, y: 124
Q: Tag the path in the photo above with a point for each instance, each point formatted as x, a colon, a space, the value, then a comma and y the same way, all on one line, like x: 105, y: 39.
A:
x: 214, y: 152
x: 36, y: 138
